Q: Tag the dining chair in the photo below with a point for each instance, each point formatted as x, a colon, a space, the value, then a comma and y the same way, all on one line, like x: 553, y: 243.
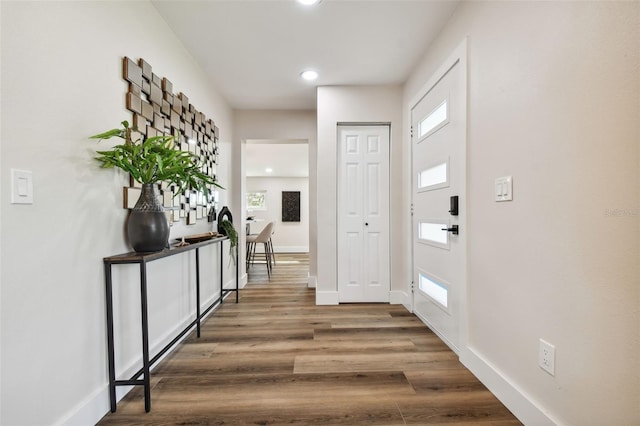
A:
x: 264, y: 237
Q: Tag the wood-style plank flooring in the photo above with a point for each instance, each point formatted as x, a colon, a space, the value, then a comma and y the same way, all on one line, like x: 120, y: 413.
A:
x: 276, y: 358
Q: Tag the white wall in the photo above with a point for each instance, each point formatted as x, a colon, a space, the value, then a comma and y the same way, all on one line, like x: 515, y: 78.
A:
x: 61, y: 82
x: 363, y: 104
x: 554, y: 100
x: 281, y: 124
x: 289, y: 237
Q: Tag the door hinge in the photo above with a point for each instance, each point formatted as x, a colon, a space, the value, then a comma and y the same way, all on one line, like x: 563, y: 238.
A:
x: 412, y: 287
x: 411, y: 131
x: 411, y: 209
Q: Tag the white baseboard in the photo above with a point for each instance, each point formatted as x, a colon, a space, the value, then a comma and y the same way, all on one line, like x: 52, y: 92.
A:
x: 244, y: 279
x: 231, y: 283
x: 398, y: 298
x: 89, y: 411
x: 291, y: 249
x: 312, y: 281
x: 284, y: 249
x: 327, y: 298
x: 522, y: 406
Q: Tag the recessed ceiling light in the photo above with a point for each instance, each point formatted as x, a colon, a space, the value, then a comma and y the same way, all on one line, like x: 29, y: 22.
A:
x: 309, y: 75
x: 309, y: 2
x: 268, y: 170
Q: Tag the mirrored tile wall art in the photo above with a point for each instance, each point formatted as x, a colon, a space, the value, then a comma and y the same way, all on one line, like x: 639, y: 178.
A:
x: 156, y: 110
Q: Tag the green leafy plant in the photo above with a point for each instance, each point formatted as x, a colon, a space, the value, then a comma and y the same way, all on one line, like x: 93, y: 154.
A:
x: 231, y: 232
x: 154, y: 159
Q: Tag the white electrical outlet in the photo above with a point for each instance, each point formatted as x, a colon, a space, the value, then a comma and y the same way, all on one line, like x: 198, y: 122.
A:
x: 547, y: 357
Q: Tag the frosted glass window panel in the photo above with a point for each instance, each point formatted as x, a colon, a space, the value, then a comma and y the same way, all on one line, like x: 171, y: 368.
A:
x: 434, y: 177
x: 434, y: 289
x: 433, y: 233
x: 435, y: 120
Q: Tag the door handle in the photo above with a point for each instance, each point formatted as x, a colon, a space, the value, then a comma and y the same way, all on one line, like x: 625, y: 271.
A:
x: 453, y: 229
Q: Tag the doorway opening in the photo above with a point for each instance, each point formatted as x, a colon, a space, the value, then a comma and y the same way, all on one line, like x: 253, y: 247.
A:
x: 276, y: 191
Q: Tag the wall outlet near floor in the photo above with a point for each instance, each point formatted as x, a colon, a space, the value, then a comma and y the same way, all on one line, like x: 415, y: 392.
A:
x: 547, y: 357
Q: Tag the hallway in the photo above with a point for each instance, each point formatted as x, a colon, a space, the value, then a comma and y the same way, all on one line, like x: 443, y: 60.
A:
x: 277, y: 358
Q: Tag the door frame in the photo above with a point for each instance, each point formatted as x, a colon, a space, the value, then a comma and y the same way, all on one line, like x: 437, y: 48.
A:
x: 457, y: 57
x: 340, y: 124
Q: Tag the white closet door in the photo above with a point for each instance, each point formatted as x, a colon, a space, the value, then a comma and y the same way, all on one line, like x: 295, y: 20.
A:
x: 363, y: 214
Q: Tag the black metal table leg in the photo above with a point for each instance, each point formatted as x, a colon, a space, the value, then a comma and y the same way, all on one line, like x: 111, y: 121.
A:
x: 198, y: 292
x: 145, y: 337
x: 110, y: 343
x: 237, y: 275
x: 221, y: 271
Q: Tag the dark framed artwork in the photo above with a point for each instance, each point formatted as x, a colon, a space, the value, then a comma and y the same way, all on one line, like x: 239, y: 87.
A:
x: 291, y: 206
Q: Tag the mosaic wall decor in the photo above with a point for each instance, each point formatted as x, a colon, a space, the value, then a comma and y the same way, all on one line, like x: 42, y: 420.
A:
x: 291, y: 206
x: 157, y: 111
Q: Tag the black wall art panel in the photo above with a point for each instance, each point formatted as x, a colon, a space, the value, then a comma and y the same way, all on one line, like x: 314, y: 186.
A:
x: 291, y: 206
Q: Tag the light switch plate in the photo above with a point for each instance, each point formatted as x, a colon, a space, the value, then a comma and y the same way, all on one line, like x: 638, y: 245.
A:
x: 503, y: 188
x: 21, y: 187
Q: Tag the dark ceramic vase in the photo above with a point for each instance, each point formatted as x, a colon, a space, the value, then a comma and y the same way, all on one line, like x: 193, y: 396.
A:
x: 224, y: 214
x: 147, y: 228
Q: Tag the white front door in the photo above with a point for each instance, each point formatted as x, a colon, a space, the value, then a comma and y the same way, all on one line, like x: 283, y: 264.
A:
x: 439, y: 172
x: 363, y: 214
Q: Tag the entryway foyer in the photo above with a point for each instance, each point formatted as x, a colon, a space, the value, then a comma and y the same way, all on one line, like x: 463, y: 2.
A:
x: 277, y: 358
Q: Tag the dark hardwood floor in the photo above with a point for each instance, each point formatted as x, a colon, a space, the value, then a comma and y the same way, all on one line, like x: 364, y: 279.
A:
x: 276, y: 358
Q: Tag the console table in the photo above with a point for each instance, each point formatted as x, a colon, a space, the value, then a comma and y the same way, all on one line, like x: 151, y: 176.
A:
x: 142, y: 259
